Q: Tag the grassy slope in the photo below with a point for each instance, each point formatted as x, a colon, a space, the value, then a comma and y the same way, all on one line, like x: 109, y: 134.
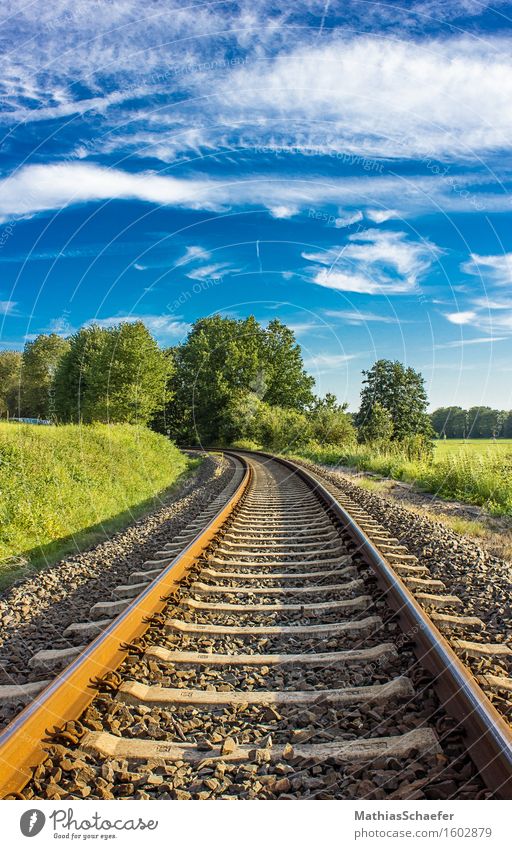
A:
x: 60, y: 487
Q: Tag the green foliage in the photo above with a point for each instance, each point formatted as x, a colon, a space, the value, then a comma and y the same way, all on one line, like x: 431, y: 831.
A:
x: 401, y: 391
x: 416, y: 448
x: 40, y: 362
x: 507, y: 426
x: 282, y: 429
x: 330, y: 423
x: 128, y: 376
x: 287, y: 384
x: 73, y: 375
x: 10, y: 376
x: 248, y: 419
x: 117, y: 374
x: 241, y: 418
x: 377, y: 427
x: 222, y: 362
x: 476, y: 423
x: 58, y: 481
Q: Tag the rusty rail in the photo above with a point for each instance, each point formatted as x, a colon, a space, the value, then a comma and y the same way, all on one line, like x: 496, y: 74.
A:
x: 489, y: 737
x: 66, y: 697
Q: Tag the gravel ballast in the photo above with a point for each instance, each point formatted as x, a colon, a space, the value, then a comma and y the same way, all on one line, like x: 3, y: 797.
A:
x: 35, y: 611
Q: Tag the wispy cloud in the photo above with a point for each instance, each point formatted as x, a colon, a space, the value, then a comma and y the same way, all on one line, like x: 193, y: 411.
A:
x: 39, y: 188
x: 374, y: 262
x: 283, y: 211
x: 326, y: 362
x: 194, y: 252
x: 357, y: 317
x: 8, y: 307
x: 481, y: 340
x: 216, y: 269
x: 347, y: 219
x: 494, y: 270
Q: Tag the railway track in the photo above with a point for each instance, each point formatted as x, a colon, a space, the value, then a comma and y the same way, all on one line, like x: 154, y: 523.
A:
x: 271, y: 652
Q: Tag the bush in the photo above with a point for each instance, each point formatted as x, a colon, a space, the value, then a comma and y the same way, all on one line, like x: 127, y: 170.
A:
x: 280, y: 429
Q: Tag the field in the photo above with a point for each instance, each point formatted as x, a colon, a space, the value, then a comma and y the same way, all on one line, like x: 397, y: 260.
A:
x: 444, y: 447
x: 64, y: 487
x: 475, y: 472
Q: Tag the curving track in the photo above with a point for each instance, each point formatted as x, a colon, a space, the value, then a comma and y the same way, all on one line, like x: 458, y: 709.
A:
x: 280, y: 654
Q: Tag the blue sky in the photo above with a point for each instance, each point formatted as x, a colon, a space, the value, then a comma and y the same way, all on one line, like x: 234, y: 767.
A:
x: 344, y: 166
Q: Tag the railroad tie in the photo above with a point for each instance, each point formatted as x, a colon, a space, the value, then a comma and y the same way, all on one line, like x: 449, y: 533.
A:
x: 482, y: 649
x: 362, y: 626
x: 135, y: 693
x: 336, y: 658
x: 281, y: 576
x: 311, y: 610
x: 216, y: 589
x: 421, y: 740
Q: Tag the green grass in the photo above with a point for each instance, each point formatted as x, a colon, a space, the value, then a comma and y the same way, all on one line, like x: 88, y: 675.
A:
x: 62, y: 488
x: 482, y: 477
x: 444, y: 447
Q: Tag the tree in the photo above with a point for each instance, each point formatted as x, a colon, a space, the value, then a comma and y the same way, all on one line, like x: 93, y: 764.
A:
x: 117, y: 374
x: 484, y: 422
x: 73, y: 373
x: 39, y: 365
x: 288, y: 384
x: 10, y: 376
x: 401, y: 391
x: 127, y: 376
x: 282, y: 429
x: 377, y: 427
x: 458, y: 425
x: 507, y: 425
x: 449, y: 422
x: 222, y: 357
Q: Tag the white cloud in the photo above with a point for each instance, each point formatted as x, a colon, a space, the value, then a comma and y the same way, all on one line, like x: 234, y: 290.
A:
x: 381, y: 215
x: 216, y: 269
x: 375, y: 96
x: 39, y: 188
x: 8, y: 307
x: 374, y: 262
x: 358, y: 317
x: 463, y: 317
x: 345, y: 220
x: 495, y: 270
x: 481, y: 340
x: 343, y: 282
x: 194, y: 252
x: 328, y: 361
x: 283, y: 211
x: 368, y: 95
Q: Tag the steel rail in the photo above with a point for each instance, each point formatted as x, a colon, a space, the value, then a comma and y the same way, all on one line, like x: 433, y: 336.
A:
x: 22, y: 742
x: 489, y: 737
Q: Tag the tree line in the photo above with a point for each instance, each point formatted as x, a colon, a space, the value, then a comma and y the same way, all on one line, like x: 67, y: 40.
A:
x: 230, y: 380
x: 475, y: 423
